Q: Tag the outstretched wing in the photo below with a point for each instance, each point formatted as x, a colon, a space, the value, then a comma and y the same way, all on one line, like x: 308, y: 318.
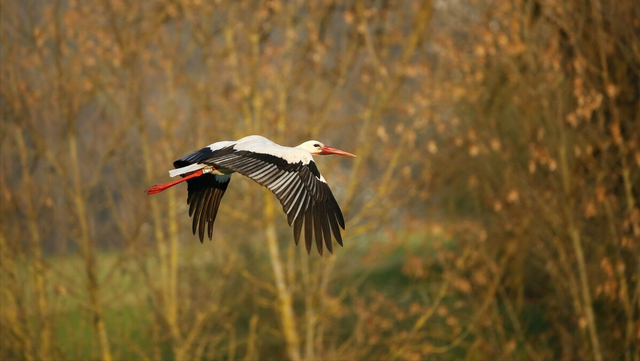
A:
x: 305, y: 196
x: 204, y: 196
x: 204, y: 192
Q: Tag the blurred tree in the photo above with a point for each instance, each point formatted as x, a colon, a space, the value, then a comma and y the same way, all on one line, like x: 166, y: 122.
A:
x: 492, y: 212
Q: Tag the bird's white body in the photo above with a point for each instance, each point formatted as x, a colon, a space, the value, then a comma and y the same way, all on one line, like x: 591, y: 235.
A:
x: 256, y: 144
x: 259, y: 144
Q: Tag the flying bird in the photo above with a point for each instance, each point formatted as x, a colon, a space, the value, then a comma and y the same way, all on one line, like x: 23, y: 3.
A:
x: 289, y: 172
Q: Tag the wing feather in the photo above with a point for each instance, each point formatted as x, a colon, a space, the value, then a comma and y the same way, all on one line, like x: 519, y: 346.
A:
x: 326, y: 229
x: 317, y: 225
x: 204, y: 197
x: 335, y: 228
x: 297, y: 229
x: 308, y: 228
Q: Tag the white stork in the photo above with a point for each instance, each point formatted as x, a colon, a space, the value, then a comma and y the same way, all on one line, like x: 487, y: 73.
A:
x: 289, y: 172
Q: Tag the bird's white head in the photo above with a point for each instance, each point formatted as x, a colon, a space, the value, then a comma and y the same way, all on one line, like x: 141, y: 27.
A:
x: 317, y: 148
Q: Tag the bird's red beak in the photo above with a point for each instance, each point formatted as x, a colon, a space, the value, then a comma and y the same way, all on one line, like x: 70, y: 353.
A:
x: 331, y: 150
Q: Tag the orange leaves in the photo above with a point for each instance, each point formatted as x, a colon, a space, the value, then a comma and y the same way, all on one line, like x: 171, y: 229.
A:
x: 582, y: 322
x: 592, y: 204
x: 414, y: 267
x: 612, y: 90
x: 601, y: 193
x: 38, y: 36
x: 606, y: 266
x: 609, y: 287
x: 589, y: 210
x: 462, y: 284
x: 540, y: 154
x: 474, y: 150
x: 516, y: 48
x: 415, y: 309
x: 381, y: 132
x: 432, y: 147
x: 495, y: 144
x: 513, y: 196
x: 509, y: 347
x: 614, y: 127
x: 442, y: 311
x: 588, y: 97
x: 572, y: 119
x: 633, y: 222
x: 348, y: 17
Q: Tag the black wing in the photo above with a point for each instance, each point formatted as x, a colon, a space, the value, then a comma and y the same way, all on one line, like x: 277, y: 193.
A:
x: 204, y: 192
x: 204, y: 196
x: 306, y: 199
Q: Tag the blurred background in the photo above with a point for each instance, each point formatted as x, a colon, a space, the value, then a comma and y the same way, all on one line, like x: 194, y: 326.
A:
x: 492, y: 211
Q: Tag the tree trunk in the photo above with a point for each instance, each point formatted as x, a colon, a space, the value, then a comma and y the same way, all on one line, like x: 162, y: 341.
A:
x: 285, y: 304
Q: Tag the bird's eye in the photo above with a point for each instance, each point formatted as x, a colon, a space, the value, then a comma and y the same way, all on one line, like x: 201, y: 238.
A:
x: 317, y: 145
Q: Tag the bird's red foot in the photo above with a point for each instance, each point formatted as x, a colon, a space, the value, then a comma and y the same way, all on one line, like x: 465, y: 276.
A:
x: 155, y: 189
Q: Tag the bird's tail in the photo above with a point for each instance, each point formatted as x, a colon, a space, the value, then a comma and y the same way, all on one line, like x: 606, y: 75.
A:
x: 188, y: 169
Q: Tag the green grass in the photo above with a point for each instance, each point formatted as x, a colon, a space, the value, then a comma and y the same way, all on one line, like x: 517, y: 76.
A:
x: 127, y: 301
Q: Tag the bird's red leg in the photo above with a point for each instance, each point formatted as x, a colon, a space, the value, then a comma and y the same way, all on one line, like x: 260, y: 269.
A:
x: 160, y: 187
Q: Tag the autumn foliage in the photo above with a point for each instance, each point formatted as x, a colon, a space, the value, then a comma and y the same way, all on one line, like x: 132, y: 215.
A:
x: 492, y: 212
